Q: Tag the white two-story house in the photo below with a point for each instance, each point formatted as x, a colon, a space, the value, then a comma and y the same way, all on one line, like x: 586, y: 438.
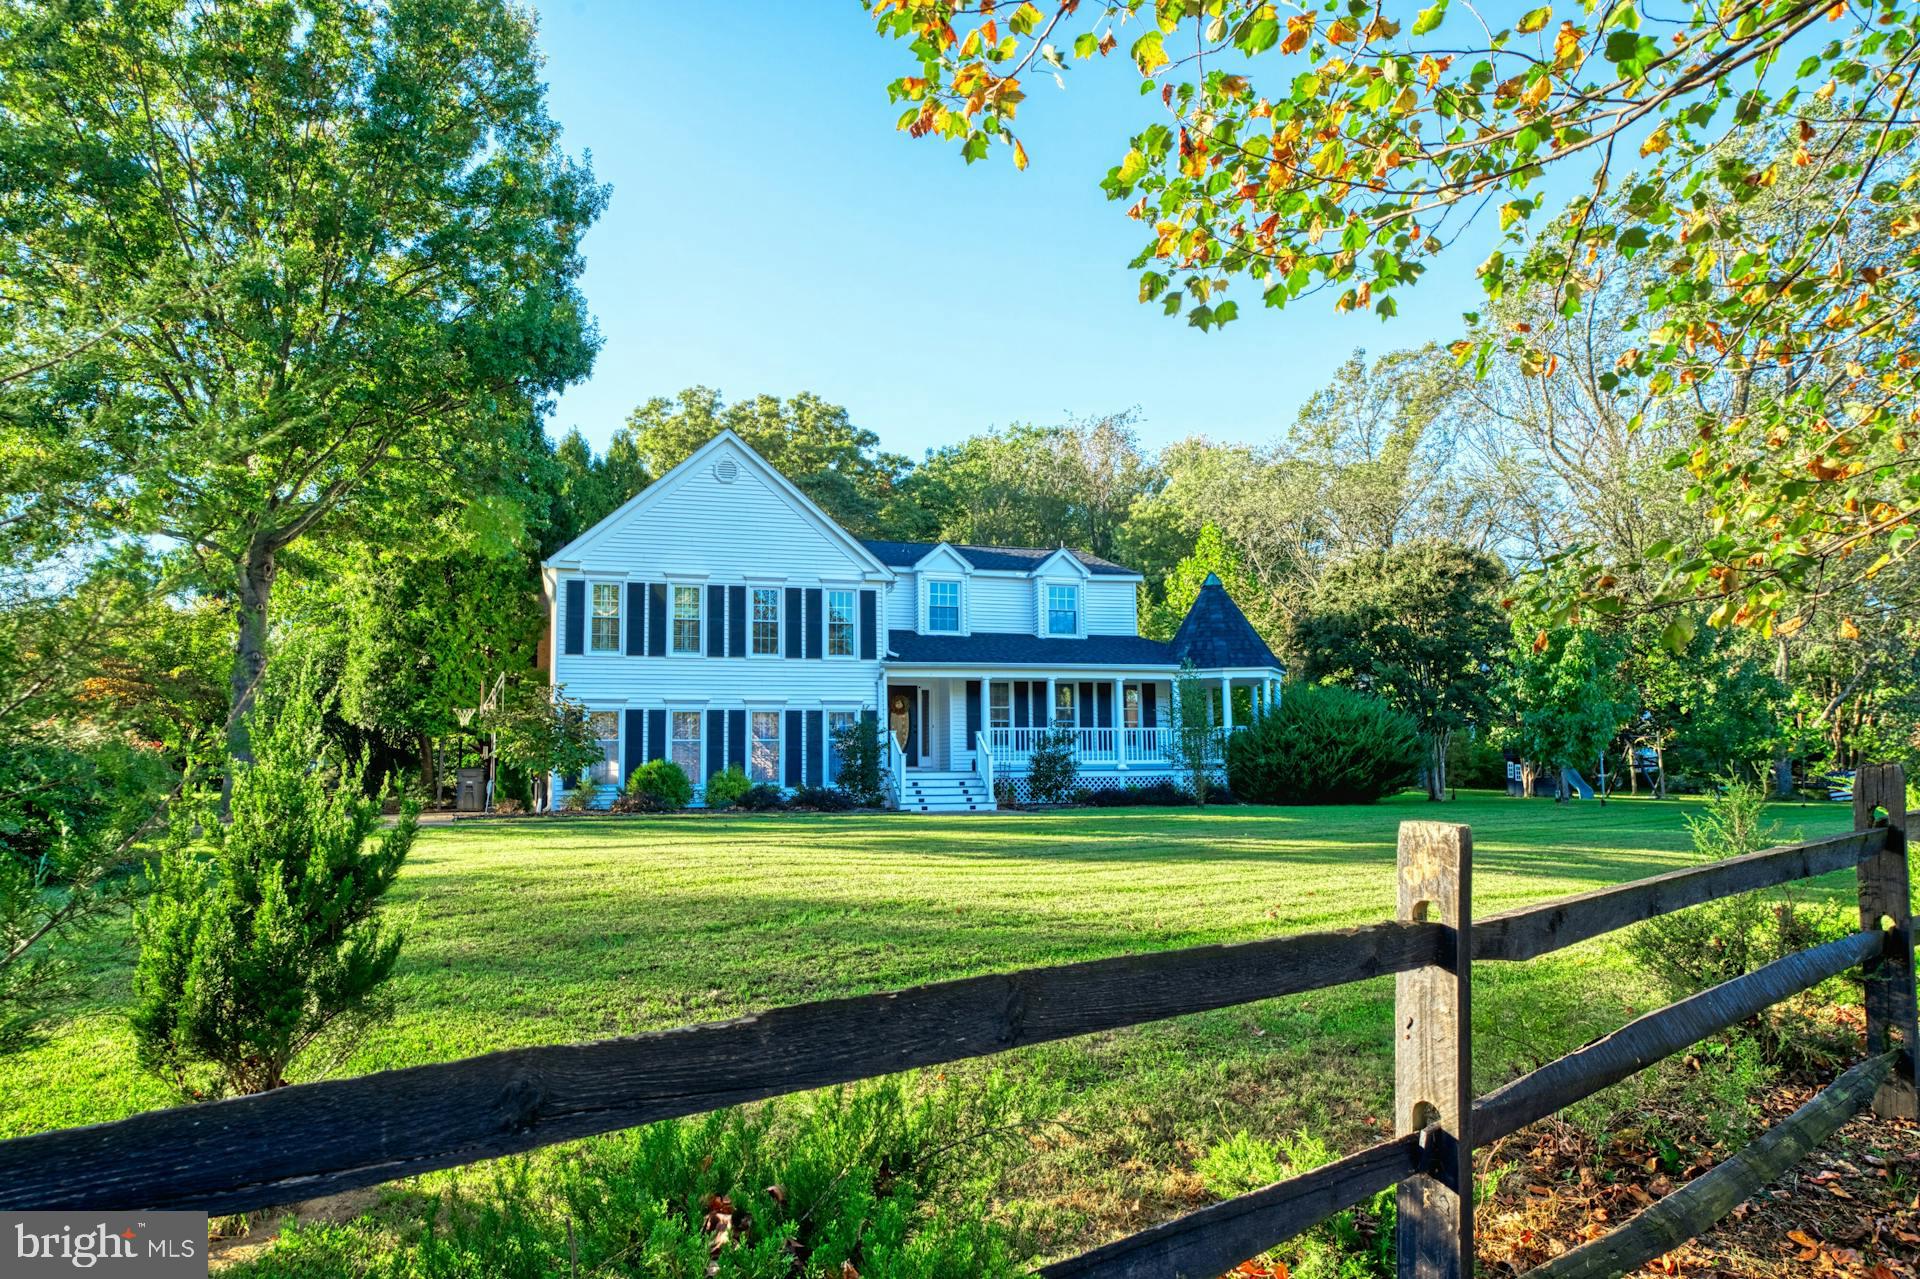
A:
x: 722, y: 618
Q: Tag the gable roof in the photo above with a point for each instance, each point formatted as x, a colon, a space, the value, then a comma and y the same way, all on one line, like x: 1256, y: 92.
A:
x: 775, y: 481
x: 1012, y: 559
x: 1216, y: 635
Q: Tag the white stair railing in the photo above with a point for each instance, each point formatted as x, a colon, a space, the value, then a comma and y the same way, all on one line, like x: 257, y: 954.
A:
x: 983, y: 766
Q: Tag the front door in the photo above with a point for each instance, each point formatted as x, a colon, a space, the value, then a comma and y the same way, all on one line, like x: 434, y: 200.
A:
x: 903, y: 719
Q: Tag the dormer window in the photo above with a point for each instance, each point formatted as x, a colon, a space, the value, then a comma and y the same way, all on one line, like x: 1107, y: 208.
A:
x: 1063, y: 610
x: 943, y: 607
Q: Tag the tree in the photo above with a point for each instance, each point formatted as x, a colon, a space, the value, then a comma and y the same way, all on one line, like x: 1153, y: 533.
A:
x: 813, y: 443
x: 541, y: 732
x: 1421, y: 626
x: 252, y: 954
x: 1715, y: 706
x: 1565, y: 699
x: 1379, y: 144
x: 1181, y: 587
x: 278, y: 269
x: 1197, y: 740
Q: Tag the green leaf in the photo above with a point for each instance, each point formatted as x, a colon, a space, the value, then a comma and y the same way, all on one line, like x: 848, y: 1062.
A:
x: 1132, y: 167
x: 1429, y: 18
x: 1534, y: 19
x: 1025, y: 19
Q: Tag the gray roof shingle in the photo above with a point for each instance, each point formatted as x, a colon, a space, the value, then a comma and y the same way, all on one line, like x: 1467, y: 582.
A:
x: 1019, y: 559
x: 1015, y: 649
x: 1215, y: 634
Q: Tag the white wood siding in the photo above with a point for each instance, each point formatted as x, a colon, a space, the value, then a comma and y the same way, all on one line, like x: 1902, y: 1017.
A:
x: 1112, y: 607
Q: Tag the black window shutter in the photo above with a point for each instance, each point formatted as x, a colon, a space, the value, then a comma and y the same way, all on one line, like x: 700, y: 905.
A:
x: 813, y: 622
x: 656, y: 734
x: 796, y: 632
x: 737, y: 738
x: 869, y: 625
x: 795, y: 750
x: 716, y: 742
x: 1042, y: 713
x: 636, y: 619
x: 574, y: 640
x: 716, y: 621
x: 973, y: 712
x: 657, y: 620
x: 1147, y: 712
x: 632, y: 754
x: 816, y: 747
x: 1083, y: 706
x: 1103, y: 706
x: 736, y: 621
x: 1021, y: 703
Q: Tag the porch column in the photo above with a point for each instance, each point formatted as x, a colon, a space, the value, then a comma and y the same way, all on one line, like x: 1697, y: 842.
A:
x: 1226, y: 703
x: 1049, y: 714
x: 1120, y: 723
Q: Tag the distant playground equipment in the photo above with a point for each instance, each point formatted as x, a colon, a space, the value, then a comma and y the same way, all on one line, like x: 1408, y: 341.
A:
x: 1546, y: 785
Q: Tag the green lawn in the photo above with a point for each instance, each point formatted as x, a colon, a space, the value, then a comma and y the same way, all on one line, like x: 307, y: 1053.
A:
x: 543, y: 931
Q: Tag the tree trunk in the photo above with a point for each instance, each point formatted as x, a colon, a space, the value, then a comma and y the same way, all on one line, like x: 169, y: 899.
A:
x: 1560, y: 784
x: 1783, y: 776
x: 253, y: 584
x: 1528, y: 775
x: 1436, y: 769
x: 1633, y: 775
x: 1660, y: 769
x: 428, y: 780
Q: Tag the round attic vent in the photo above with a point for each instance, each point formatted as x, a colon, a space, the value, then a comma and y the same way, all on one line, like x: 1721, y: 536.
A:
x: 726, y: 470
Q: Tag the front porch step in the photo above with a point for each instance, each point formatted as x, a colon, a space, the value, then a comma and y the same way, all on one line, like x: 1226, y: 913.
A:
x: 945, y: 792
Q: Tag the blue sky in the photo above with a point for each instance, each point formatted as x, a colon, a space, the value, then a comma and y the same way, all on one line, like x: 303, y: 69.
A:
x: 769, y: 231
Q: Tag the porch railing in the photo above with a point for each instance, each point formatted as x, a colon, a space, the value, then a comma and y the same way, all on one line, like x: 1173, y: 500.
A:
x: 1091, y: 745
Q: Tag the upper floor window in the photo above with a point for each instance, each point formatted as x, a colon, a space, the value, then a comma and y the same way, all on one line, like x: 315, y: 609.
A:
x: 999, y: 705
x: 840, y: 624
x: 686, y: 620
x: 766, y: 621
x: 605, y: 636
x: 1063, y: 610
x: 943, y: 607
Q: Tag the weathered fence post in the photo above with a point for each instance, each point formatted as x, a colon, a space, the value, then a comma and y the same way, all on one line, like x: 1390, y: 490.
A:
x: 1884, y: 894
x: 1433, y: 1057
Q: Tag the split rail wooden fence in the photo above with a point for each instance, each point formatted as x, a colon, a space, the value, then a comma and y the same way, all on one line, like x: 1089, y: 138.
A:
x: 315, y: 1139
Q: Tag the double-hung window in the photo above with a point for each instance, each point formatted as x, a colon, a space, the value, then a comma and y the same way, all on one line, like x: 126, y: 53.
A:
x: 1063, y: 706
x: 838, y: 723
x: 1063, y: 610
x: 763, y: 759
x: 999, y: 705
x: 1130, y: 699
x: 840, y: 623
x: 766, y: 621
x: 943, y: 607
x: 685, y: 748
x: 606, y: 731
x: 605, y: 635
x: 686, y: 622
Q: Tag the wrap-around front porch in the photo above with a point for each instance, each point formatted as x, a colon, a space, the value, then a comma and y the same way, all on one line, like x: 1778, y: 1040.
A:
x: 1122, y: 721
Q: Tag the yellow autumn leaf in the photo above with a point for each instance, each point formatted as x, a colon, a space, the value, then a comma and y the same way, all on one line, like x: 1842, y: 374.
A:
x: 1341, y: 32
x: 1019, y: 155
x: 1657, y: 143
x: 1536, y: 93
x: 1566, y: 45
x: 1848, y: 631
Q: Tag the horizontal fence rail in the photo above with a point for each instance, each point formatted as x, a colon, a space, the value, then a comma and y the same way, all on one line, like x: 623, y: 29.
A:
x: 1700, y: 1203
x: 1538, y: 930
x: 1658, y: 1035
x: 1221, y: 1236
x: 314, y: 1139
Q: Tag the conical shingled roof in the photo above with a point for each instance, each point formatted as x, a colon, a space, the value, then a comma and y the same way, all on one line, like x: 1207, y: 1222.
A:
x: 1217, y: 635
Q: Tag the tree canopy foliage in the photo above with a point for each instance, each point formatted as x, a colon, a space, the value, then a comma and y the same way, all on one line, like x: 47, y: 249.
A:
x: 1741, y: 193
x: 274, y: 268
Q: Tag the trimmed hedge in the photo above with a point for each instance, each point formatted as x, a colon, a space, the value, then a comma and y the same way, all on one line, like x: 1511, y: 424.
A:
x: 1325, y: 745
